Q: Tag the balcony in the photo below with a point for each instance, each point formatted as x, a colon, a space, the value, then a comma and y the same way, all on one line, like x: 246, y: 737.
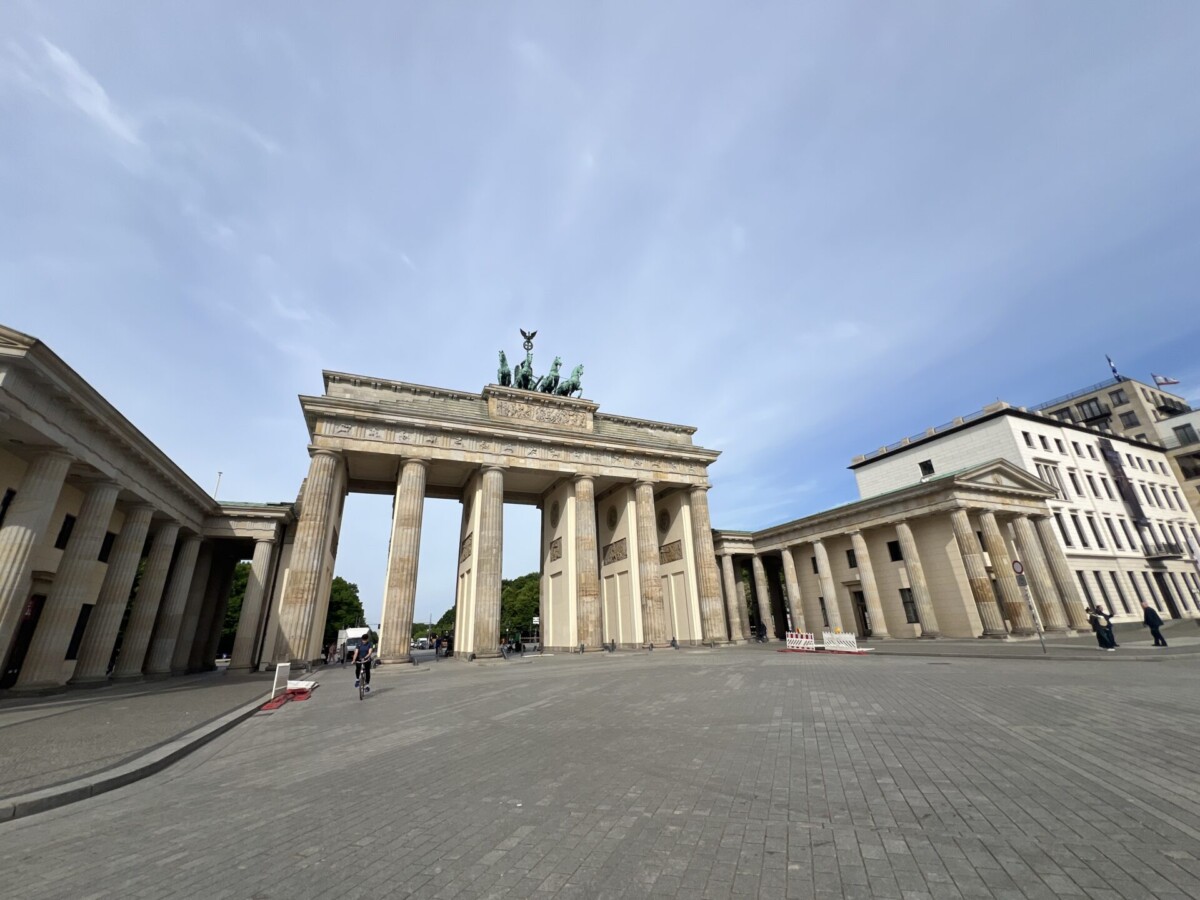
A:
x: 1164, y: 551
x: 1093, y: 411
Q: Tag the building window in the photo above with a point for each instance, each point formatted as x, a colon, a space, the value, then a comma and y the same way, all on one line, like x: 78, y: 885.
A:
x: 824, y: 614
x: 1083, y: 584
x: 1118, y: 397
x: 1167, y: 496
x: 1090, y: 409
x: 77, y: 635
x: 1064, y: 414
x: 1079, y: 531
x: 1150, y: 590
x: 1107, y: 488
x: 894, y: 551
x: 1075, y: 446
x: 1120, y: 593
x: 816, y: 571
x: 1091, y: 451
x: 64, y: 533
x: 6, y: 503
x: 1095, y: 532
x: 926, y: 467
x: 1092, y: 484
x: 1112, y: 529
x: 1128, y: 536
x: 1104, y: 593
x: 852, y: 559
x: 1028, y: 438
x: 1045, y: 443
x: 1136, y: 590
x: 1186, y: 434
x: 1182, y: 595
x: 1130, y: 420
x: 1141, y: 464
x: 1062, y: 529
x: 910, y: 606
x: 106, y: 546
x: 982, y: 545
x: 1075, y: 483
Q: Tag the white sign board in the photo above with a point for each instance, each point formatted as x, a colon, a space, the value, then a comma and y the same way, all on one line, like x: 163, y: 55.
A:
x: 282, y: 671
x: 537, y: 620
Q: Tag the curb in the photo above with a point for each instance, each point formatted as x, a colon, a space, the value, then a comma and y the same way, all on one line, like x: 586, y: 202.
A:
x: 149, y: 763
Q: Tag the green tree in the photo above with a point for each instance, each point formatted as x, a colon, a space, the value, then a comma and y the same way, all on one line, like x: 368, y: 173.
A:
x: 233, y: 610
x: 345, y: 609
x: 520, y: 600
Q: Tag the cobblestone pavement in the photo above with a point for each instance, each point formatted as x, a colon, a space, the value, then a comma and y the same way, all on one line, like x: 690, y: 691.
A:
x: 697, y: 774
x: 45, y: 741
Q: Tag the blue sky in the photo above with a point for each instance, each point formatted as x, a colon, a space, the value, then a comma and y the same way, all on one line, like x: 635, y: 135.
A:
x: 806, y: 229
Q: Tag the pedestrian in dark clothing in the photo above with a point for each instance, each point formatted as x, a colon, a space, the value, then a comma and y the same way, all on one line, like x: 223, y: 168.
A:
x: 1152, y: 620
x: 1103, y: 632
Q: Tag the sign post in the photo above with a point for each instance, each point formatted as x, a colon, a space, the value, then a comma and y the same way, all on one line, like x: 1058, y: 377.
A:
x: 1023, y: 582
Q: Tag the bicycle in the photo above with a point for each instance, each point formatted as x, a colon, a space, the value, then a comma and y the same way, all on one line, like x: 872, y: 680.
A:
x: 362, y: 669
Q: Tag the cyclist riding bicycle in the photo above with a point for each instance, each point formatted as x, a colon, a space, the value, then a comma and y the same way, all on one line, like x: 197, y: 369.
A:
x: 363, y: 660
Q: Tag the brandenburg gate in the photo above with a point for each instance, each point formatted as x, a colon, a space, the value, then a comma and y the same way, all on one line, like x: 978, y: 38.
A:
x: 626, y: 541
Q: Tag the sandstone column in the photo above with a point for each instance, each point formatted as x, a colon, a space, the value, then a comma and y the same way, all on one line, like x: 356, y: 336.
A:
x: 832, y: 609
x: 732, y: 601
x: 216, y: 625
x: 298, y: 607
x: 400, y: 588
x: 211, y: 622
x: 654, y: 614
x: 191, y: 610
x: 1068, y: 590
x: 792, y: 581
x: 145, y: 605
x: 916, y: 581
x: 763, y: 593
x: 252, y: 604
x: 977, y: 576
x: 28, y: 516
x: 170, y: 613
x: 1054, y: 617
x: 1006, y: 581
x: 75, y: 584
x: 866, y: 577
x: 105, y: 621
x: 491, y: 554
x: 708, y: 580
x: 587, y: 564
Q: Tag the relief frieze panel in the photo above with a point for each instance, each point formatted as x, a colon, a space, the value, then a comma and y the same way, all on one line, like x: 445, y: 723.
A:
x: 672, y: 552
x: 615, y: 552
x: 555, y: 549
x: 464, y: 551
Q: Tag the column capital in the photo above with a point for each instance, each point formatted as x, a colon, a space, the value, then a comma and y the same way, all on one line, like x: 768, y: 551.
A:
x: 138, y: 507
x: 582, y: 476
x: 493, y: 467
x: 315, y: 451
x: 414, y: 461
x: 264, y: 540
x: 644, y: 481
x: 703, y: 488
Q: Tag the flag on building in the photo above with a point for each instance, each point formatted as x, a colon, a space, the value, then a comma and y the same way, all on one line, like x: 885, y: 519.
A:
x: 1161, y: 380
x: 1112, y: 365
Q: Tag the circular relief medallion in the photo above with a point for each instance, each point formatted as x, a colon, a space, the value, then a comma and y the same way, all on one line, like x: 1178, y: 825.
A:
x: 555, y: 512
x: 664, y: 521
x: 612, y: 518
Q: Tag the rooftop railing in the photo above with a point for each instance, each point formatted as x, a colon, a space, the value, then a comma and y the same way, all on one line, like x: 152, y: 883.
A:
x: 1087, y: 390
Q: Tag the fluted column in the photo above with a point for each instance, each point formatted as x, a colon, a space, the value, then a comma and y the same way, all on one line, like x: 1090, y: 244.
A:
x: 587, y: 564
x: 866, y: 577
x: 298, y: 606
x: 75, y: 584
x: 833, y: 609
x: 400, y: 589
x: 145, y: 605
x: 252, y: 604
x: 174, y: 603
x: 762, y: 593
x: 792, y: 582
x: 708, y: 581
x: 95, y: 651
x: 186, y: 636
x: 491, y: 554
x: 1068, y: 590
x: 916, y: 581
x: 654, y: 615
x: 977, y: 576
x: 1006, y: 582
x: 28, y: 516
x: 732, y: 601
x: 1054, y: 617
x: 211, y: 622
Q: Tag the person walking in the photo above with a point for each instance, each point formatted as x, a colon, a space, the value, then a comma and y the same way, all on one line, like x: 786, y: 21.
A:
x: 1103, y: 633
x: 1152, y: 620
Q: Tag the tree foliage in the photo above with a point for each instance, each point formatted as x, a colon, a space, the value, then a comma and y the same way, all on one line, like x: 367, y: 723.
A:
x: 519, y: 603
x: 233, y: 610
x: 345, y: 609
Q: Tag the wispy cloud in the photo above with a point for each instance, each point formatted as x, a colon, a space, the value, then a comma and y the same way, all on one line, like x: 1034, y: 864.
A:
x: 82, y: 89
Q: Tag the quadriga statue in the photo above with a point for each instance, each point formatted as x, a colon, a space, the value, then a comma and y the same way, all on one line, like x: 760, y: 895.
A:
x: 570, y: 385
x: 504, y: 373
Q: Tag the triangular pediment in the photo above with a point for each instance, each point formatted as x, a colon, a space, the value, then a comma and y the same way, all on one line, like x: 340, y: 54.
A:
x: 1000, y: 473
x: 10, y: 339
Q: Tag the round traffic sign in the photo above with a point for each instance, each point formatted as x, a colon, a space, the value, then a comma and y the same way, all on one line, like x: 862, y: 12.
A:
x: 1017, y: 567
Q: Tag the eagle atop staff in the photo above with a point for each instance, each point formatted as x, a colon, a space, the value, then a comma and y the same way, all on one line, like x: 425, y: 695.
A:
x: 529, y: 336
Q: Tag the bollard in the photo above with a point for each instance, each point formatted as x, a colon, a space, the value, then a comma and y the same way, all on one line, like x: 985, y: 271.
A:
x: 651, y: 647
x: 674, y: 644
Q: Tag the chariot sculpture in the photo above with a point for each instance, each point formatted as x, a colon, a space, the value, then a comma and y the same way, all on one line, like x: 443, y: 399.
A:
x: 522, y: 378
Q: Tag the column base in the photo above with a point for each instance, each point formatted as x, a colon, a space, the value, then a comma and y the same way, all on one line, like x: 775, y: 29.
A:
x: 392, y: 660
x: 90, y: 682
x: 128, y: 679
x: 995, y: 636
x: 1060, y: 630
x: 36, y: 689
x: 931, y: 635
x: 246, y: 668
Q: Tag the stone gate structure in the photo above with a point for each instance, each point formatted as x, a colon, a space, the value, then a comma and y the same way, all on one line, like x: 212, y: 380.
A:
x: 626, y: 540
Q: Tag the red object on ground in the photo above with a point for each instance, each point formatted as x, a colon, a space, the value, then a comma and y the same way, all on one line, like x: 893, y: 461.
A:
x: 289, y: 694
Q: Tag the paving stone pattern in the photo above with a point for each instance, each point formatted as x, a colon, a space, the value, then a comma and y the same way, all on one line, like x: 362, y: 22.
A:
x: 737, y: 773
